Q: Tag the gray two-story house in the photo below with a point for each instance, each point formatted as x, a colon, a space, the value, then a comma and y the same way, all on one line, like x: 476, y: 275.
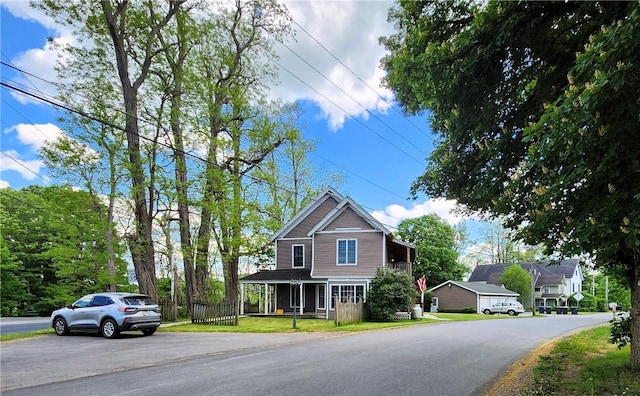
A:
x: 332, y: 247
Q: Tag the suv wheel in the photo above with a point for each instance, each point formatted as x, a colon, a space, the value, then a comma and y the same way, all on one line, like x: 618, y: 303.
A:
x: 109, y: 328
x: 487, y: 312
x: 511, y: 312
x: 60, y: 326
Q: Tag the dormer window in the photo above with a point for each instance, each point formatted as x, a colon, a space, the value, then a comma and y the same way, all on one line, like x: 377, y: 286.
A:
x: 298, y: 256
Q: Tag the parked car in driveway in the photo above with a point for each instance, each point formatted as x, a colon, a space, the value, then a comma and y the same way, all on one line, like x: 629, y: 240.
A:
x: 109, y: 314
x: 512, y: 308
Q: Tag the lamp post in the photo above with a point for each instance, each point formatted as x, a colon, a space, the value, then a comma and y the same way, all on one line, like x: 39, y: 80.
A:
x: 295, y: 283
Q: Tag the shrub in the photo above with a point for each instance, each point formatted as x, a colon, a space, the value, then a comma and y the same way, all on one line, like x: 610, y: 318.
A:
x: 390, y: 291
x: 621, y: 331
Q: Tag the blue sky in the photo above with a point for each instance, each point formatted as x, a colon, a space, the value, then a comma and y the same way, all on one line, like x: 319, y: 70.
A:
x: 379, y: 150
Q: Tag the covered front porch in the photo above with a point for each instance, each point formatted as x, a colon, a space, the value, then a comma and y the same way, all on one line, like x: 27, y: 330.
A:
x: 281, y: 292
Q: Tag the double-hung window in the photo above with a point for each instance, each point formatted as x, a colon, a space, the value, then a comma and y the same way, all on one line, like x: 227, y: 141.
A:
x: 346, y: 293
x: 347, y: 252
x: 298, y: 256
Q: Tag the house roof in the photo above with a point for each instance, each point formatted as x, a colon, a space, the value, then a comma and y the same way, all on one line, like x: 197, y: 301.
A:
x: 278, y: 276
x: 550, y: 273
x: 479, y: 288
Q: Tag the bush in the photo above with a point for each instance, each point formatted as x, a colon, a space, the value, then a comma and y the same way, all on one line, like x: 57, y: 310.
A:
x: 621, y: 331
x: 391, y: 291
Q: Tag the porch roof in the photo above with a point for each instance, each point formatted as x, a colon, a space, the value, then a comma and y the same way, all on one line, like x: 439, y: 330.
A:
x: 278, y: 276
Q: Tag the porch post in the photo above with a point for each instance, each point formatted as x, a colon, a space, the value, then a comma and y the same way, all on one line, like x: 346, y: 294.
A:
x: 242, y: 299
x: 266, y: 297
x: 301, y: 299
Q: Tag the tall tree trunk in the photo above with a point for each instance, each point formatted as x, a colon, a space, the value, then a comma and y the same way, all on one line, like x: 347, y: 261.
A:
x: 141, y: 240
x: 176, y: 64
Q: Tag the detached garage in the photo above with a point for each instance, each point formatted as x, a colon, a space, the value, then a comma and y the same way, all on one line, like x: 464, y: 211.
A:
x: 458, y: 295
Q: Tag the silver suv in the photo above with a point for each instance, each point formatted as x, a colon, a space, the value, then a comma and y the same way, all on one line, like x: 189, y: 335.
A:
x: 108, y: 313
x: 513, y: 308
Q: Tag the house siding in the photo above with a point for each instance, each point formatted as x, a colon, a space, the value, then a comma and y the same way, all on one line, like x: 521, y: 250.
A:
x: 285, y: 252
x: 301, y: 230
x: 369, y: 254
x: 455, y: 298
x: 348, y: 219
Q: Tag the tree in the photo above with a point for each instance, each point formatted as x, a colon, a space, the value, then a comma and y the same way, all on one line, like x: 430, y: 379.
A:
x: 517, y: 279
x: 56, y: 235
x: 390, y: 291
x: 436, y: 255
x: 535, y: 105
x: 125, y: 33
x: 12, y: 287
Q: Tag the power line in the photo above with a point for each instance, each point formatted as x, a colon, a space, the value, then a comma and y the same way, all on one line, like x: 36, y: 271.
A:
x: 23, y: 165
x: 352, y: 116
x: 150, y: 122
x: 391, y: 105
x: 348, y: 95
x: 111, y: 125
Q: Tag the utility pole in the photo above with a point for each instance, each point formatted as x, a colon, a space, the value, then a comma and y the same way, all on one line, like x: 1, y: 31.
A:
x: 534, y: 278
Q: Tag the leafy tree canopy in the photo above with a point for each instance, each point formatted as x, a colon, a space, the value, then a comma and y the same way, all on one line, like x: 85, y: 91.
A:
x: 535, y: 105
x: 517, y: 279
x: 436, y: 254
x: 54, y: 241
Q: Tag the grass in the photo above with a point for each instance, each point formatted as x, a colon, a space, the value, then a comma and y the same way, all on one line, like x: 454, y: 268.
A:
x: 585, y: 364
x: 29, y: 334
x: 275, y: 324
x: 283, y: 325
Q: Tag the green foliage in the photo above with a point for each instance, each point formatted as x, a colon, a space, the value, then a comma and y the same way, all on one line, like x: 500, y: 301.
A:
x: 536, y: 111
x: 436, y: 254
x: 620, y: 331
x: 390, y: 291
x: 589, y: 302
x: 531, y: 104
x: 54, y: 238
x: 11, y: 287
x: 517, y: 279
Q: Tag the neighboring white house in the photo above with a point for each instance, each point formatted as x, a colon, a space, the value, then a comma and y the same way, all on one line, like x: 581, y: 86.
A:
x: 555, y: 282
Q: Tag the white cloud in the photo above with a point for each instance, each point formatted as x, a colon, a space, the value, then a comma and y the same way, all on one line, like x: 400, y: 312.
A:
x: 38, y: 62
x: 350, y: 31
x: 28, y: 169
x: 4, y: 184
x: 445, y: 209
x: 35, y: 135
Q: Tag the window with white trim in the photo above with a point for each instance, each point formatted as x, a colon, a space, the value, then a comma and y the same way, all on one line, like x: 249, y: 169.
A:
x: 346, y: 293
x: 347, y: 251
x: 297, y: 259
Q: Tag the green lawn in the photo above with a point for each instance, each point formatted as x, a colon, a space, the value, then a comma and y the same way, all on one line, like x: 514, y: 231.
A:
x: 285, y: 325
x: 585, y: 364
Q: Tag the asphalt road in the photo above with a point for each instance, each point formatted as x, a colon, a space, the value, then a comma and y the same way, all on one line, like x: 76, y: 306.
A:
x: 446, y: 358
x: 21, y: 325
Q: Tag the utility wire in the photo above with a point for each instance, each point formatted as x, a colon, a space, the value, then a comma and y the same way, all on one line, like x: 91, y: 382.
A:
x: 109, y: 124
x: 154, y: 124
x: 350, y: 96
x: 391, y: 105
